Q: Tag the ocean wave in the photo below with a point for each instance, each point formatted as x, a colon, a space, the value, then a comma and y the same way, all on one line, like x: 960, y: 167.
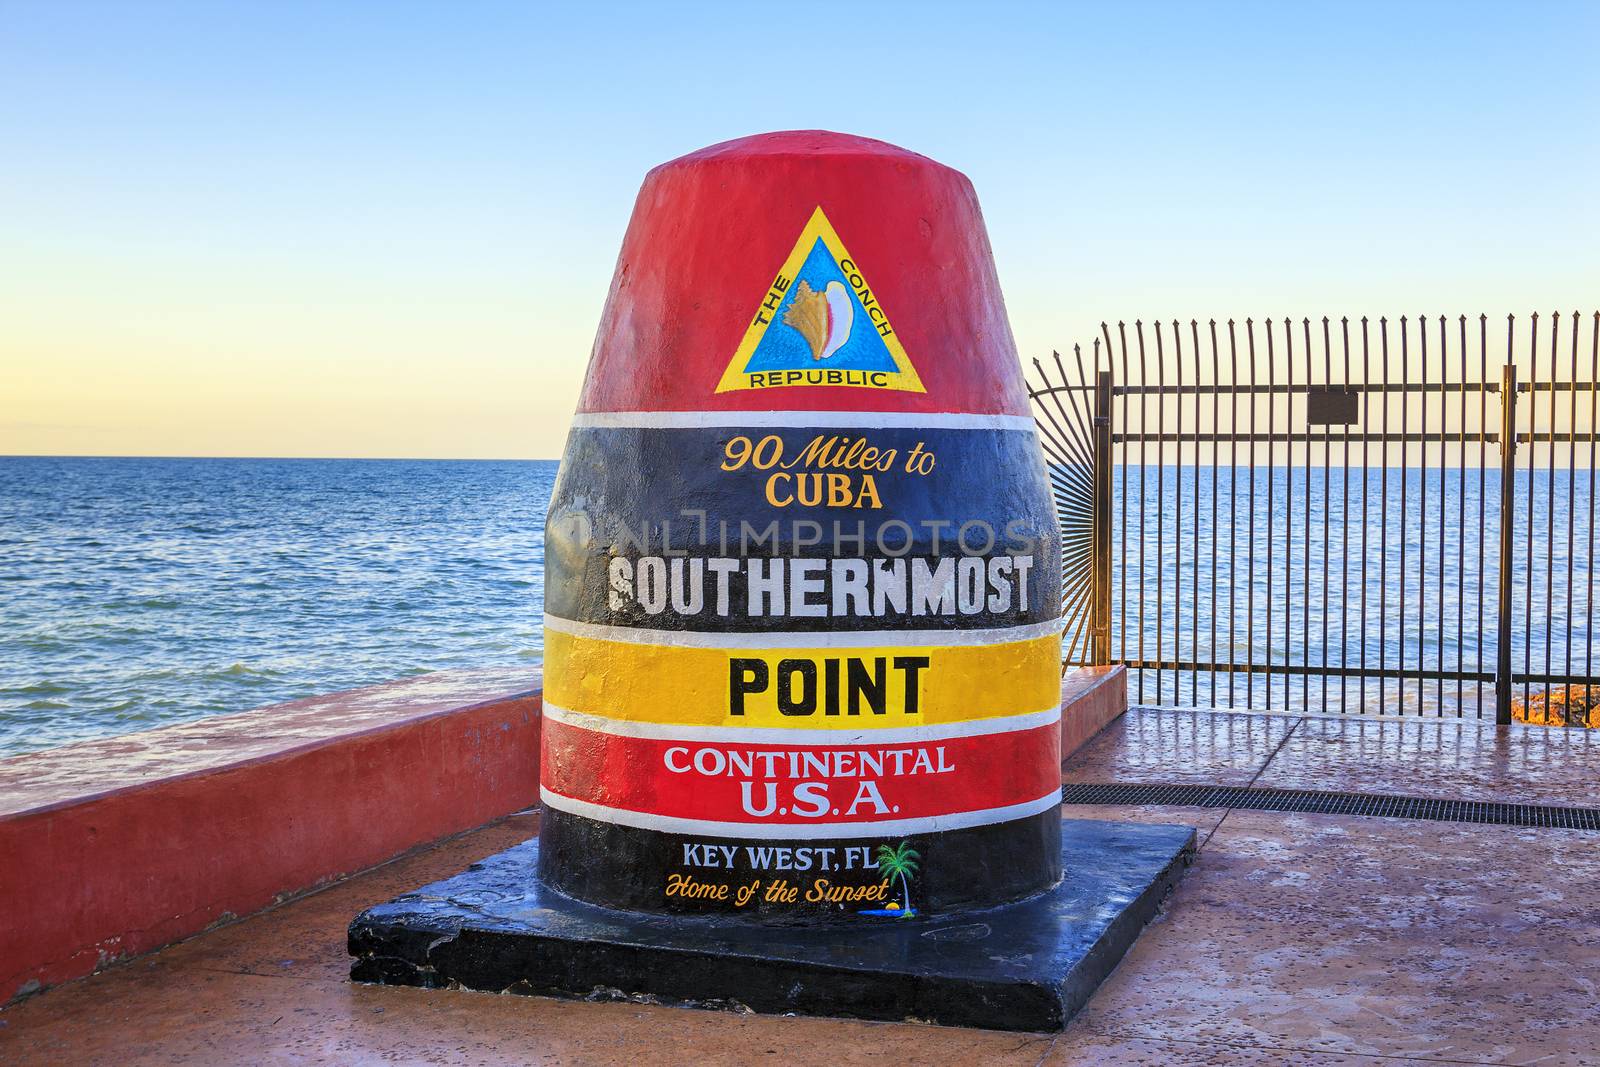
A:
x: 243, y: 670
x: 46, y: 688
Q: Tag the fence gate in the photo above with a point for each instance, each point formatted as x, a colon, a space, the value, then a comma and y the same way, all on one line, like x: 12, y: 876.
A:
x: 1358, y: 516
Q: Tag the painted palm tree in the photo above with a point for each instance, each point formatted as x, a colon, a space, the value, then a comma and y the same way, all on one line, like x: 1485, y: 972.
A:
x: 900, y: 862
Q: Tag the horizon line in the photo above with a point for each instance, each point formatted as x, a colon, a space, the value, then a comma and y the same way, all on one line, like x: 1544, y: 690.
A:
x: 312, y: 459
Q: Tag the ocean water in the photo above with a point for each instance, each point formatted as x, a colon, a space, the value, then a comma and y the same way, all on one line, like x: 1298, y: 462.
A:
x: 140, y: 592
x: 1382, y: 570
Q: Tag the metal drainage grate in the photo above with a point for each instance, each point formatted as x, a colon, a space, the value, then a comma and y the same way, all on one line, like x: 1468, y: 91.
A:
x: 1326, y: 803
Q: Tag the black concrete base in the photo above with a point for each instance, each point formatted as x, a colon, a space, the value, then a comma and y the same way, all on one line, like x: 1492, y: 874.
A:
x: 1026, y: 966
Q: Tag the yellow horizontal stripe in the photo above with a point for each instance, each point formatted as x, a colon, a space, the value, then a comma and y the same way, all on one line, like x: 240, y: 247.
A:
x: 796, y: 687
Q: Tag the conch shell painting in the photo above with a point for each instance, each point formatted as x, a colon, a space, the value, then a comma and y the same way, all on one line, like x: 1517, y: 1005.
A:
x: 823, y: 319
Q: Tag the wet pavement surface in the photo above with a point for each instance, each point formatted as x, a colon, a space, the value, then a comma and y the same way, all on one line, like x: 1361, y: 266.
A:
x: 1453, y: 759
x: 1295, y: 938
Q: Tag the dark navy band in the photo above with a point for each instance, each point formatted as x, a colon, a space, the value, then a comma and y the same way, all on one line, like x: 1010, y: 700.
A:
x: 634, y: 507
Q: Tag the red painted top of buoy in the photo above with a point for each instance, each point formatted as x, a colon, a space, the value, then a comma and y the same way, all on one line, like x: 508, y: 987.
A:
x: 711, y: 230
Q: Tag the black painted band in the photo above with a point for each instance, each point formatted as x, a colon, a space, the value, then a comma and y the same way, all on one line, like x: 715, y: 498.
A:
x: 627, y: 867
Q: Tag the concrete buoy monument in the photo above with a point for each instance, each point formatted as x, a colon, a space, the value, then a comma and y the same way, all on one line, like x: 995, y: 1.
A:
x: 801, y: 718
x: 802, y: 586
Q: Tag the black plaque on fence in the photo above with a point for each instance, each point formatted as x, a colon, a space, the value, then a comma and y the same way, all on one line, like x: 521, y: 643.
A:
x: 1332, y: 407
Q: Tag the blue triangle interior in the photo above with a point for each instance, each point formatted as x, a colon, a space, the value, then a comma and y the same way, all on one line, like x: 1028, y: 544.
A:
x: 783, y: 348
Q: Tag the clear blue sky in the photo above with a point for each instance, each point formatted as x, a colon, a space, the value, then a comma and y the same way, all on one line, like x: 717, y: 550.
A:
x: 387, y: 229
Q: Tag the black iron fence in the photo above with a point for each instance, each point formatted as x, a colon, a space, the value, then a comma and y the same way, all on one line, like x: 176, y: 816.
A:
x: 1346, y: 515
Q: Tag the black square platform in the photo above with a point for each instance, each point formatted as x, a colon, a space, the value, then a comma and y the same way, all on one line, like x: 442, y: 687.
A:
x: 1027, y: 966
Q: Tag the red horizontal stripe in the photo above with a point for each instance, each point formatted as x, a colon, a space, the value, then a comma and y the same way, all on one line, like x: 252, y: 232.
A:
x: 731, y: 781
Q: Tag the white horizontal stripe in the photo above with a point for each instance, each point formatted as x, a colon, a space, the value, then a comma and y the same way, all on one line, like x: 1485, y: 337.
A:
x: 787, y: 735
x: 826, y: 639
x: 868, y: 420
x: 797, y: 832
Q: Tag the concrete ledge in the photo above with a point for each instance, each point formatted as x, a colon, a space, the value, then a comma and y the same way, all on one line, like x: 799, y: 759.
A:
x: 1091, y: 698
x: 116, y: 847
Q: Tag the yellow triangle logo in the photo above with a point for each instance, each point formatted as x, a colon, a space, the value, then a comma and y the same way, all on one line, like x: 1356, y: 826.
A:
x: 820, y: 323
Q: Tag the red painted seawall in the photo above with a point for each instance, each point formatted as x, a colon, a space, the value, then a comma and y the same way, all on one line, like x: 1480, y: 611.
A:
x: 113, y: 848
x: 1091, y: 697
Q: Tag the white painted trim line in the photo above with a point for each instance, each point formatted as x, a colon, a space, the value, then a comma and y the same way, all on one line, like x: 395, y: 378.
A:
x: 824, y: 640
x: 785, y: 735
x: 819, y: 831
x: 863, y: 420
